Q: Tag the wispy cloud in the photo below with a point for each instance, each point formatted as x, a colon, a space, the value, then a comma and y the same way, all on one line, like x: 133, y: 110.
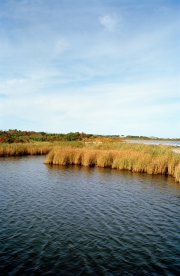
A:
x: 162, y: 9
x: 106, y: 108
x: 110, y: 22
x: 61, y: 72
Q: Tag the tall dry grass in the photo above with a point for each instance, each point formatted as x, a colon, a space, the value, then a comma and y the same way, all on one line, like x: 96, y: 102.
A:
x: 17, y: 149
x: 34, y: 148
x: 151, y: 159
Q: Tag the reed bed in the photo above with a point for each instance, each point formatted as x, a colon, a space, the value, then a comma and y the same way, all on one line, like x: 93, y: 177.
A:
x: 34, y: 148
x: 19, y: 149
x: 151, y: 159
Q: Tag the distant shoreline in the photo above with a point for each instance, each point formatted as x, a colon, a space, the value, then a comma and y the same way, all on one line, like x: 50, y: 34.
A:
x: 174, y: 143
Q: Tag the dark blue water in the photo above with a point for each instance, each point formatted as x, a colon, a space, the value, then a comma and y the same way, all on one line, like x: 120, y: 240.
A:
x: 86, y: 221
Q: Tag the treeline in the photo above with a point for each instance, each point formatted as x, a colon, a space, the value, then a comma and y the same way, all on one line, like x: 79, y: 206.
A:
x: 18, y: 136
x: 138, y: 137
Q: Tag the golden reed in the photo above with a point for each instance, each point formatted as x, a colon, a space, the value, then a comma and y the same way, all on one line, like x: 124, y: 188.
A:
x: 17, y: 149
x: 33, y: 148
x: 151, y: 159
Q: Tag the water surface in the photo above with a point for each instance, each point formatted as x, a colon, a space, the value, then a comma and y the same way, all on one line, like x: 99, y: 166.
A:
x: 154, y: 142
x: 74, y: 220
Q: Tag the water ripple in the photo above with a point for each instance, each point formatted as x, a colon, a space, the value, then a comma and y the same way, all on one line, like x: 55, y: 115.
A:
x: 86, y: 221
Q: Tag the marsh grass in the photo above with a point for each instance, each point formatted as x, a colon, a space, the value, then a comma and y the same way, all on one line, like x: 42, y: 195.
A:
x: 34, y: 148
x: 18, y: 149
x: 151, y: 159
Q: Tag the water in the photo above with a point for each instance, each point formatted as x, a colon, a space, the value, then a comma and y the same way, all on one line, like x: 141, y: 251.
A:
x: 155, y: 142
x: 86, y: 221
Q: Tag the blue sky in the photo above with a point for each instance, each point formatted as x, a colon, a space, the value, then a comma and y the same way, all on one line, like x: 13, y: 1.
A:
x: 94, y: 66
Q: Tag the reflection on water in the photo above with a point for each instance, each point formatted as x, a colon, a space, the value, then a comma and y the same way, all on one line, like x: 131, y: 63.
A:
x: 75, y: 220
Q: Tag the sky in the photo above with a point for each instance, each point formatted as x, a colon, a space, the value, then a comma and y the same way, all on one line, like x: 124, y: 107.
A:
x: 109, y: 67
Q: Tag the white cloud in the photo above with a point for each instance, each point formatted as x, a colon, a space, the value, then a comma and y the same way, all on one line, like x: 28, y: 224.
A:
x: 110, y: 22
x: 135, y: 108
x: 63, y: 73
